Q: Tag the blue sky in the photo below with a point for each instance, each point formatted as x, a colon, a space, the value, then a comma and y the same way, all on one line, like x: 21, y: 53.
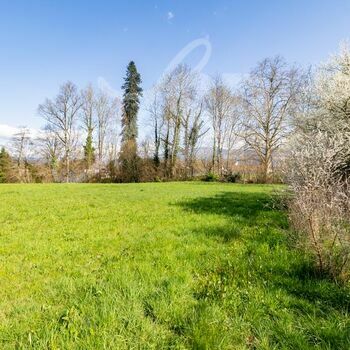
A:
x: 44, y: 43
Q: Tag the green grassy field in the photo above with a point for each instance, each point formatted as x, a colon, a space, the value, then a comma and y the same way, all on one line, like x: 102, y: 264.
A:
x: 158, y: 266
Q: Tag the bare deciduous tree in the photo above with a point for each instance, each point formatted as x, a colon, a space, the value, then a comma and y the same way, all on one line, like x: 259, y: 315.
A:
x: 178, y: 90
x: 20, y: 145
x: 156, y: 114
x: 50, y: 149
x: 269, y: 99
x: 193, y: 131
x: 61, y: 114
x: 106, y: 112
x: 220, y: 105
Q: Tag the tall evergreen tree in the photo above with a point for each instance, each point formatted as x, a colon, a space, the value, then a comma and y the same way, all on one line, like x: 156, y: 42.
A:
x: 131, y: 104
x: 88, y: 107
x: 5, y: 165
x: 89, y: 150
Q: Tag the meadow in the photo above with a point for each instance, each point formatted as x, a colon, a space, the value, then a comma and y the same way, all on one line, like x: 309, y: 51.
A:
x: 159, y: 266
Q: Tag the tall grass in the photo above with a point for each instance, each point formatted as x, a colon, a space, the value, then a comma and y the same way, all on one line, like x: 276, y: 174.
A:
x: 158, y: 266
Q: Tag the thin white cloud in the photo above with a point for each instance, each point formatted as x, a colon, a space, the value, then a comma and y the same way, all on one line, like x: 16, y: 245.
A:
x: 8, y: 131
x: 170, y: 15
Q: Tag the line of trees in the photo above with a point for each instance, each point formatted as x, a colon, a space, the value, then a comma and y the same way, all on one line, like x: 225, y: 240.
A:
x: 90, y: 136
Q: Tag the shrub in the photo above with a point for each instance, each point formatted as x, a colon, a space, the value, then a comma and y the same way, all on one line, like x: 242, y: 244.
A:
x: 319, y: 171
x: 210, y: 177
x: 321, y: 216
x: 320, y: 205
x: 232, y: 177
x: 157, y: 179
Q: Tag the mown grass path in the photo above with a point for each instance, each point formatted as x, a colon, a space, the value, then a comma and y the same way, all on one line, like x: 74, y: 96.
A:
x: 158, y: 266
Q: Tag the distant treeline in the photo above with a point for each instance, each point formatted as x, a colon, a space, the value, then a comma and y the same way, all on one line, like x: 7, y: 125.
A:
x: 219, y: 133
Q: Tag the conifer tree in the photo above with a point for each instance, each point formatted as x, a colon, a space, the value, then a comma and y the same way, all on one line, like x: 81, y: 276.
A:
x: 88, y: 107
x: 131, y: 103
x: 5, y: 165
x: 89, y: 150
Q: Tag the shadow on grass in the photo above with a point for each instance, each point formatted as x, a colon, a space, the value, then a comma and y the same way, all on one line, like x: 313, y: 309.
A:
x: 242, y: 210
x: 295, y: 275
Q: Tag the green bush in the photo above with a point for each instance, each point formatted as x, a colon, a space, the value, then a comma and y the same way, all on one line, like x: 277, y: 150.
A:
x: 210, y: 177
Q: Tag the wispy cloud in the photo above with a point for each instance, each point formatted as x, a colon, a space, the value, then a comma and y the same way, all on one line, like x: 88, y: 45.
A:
x: 8, y: 131
x: 170, y: 15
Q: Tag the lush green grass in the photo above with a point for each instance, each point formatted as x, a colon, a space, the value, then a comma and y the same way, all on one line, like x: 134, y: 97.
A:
x: 157, y: 266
